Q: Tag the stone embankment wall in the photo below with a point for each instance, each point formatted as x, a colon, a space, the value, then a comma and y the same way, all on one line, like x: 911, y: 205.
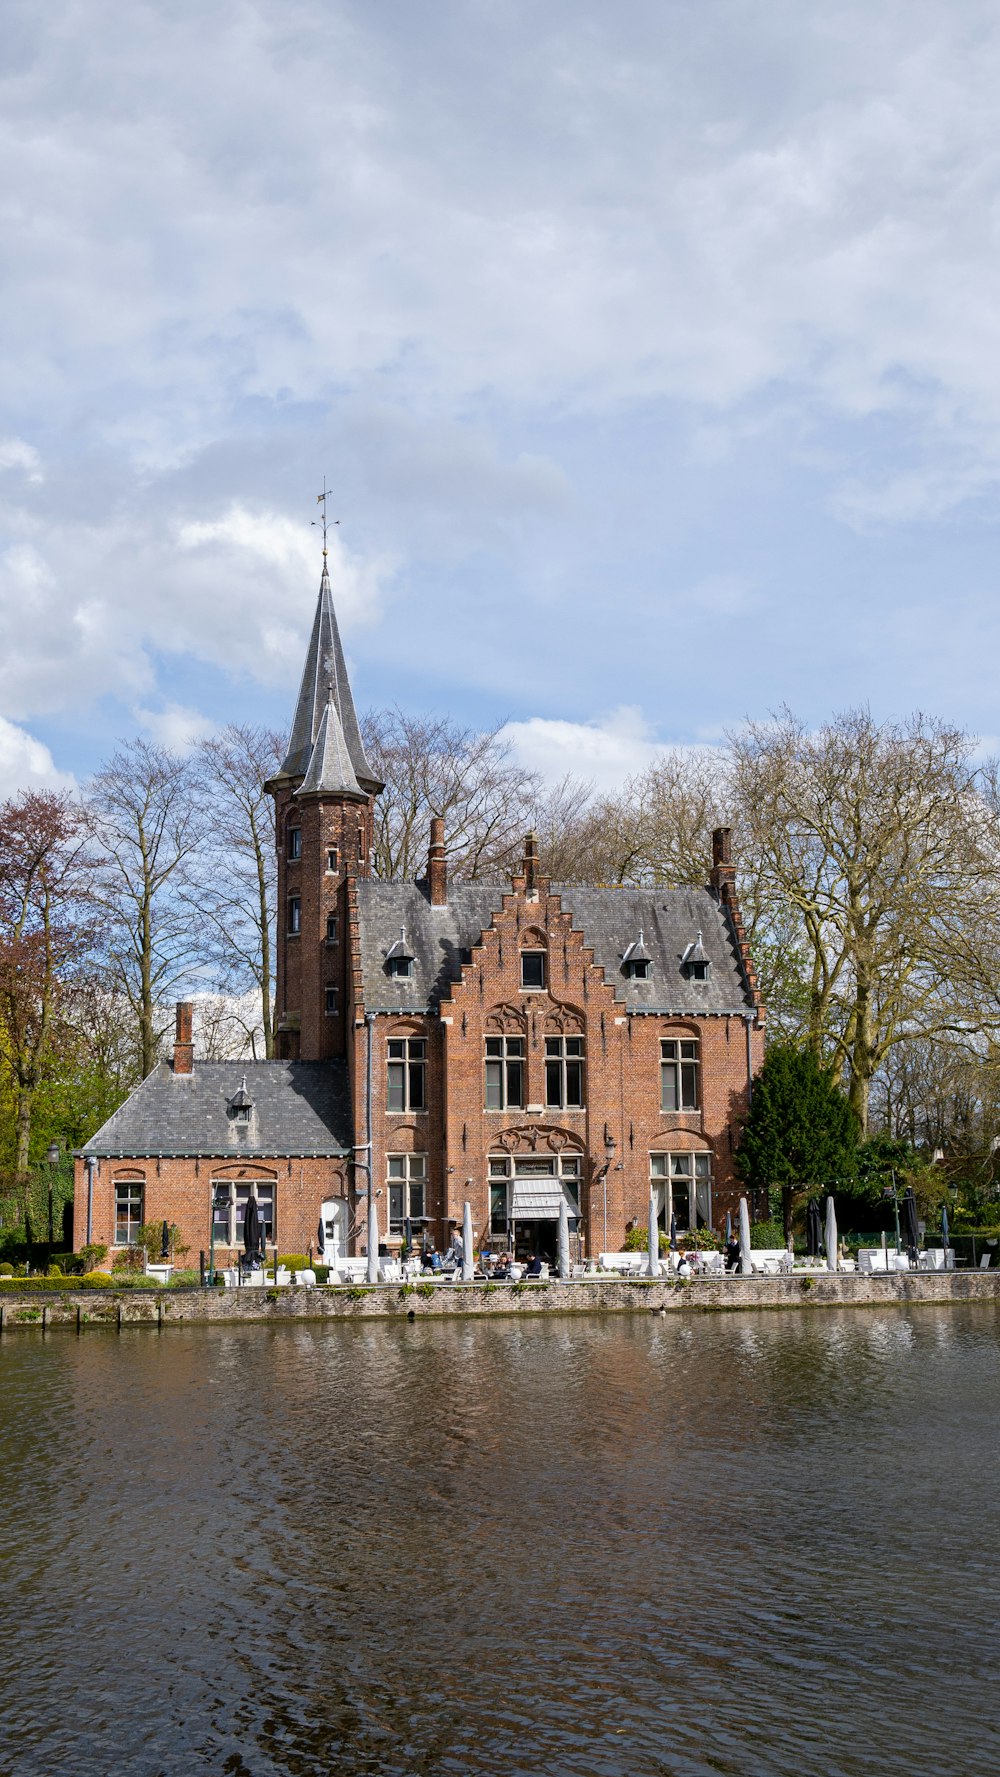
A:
x: 91, y: 1308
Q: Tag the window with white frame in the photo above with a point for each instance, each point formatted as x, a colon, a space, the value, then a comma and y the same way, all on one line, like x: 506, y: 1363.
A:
x: 682, y: 1184
x: 406, y: 1084
x: 506, y: 1170
x: 504, y: 1073
x: 128, y: 1211
x: 564, y: 1073
x: 331, y: 860
x: 229, y: 1207
x: 407, y: 1183
x: 680, y: 1085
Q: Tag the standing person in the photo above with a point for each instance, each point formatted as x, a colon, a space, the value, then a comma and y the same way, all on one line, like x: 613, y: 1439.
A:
x: 456, y: 1250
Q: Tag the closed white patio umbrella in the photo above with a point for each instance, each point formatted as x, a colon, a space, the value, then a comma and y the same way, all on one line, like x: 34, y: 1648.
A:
x: 564, y: 1265
x: 372, y: 1273
x: 653, y: 1265
x: 831, y: 1236
x: 746, y: 1268
x: 468, y: 1256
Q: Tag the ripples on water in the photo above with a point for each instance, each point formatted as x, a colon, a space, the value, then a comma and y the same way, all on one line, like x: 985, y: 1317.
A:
x: 747, y: 1544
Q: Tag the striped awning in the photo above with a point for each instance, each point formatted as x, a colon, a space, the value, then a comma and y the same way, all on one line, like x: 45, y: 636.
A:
x: 537, y: 1200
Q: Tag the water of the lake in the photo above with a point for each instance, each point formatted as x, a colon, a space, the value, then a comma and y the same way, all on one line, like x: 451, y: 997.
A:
x: 747, y: 1543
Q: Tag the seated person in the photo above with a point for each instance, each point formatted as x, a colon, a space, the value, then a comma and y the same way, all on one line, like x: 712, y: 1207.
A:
x: 534, y: 1266
x: 431, y: 1260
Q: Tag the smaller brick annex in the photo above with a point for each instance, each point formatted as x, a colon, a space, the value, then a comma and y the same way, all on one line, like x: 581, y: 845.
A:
x: 511, y: 1045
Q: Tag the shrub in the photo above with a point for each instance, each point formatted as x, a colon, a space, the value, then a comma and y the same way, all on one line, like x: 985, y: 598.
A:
x: 425, y: 1289
x: 356, y: 1294
x: 97, y: 1280
x: 637, y: 1241
x: 702, y: 1240
x: 322, y: 1273
x: 129, y: 1258
x: 6, y: 1270
x: 183, y: 1279
x: 90, y: 1256
x: 767, y: 1234
x: 295, y: 1261
x: 54, y: 1271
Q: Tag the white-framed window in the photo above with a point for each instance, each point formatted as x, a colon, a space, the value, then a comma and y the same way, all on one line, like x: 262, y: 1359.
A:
x: 294, y: 844
x: 331, y: 928
x: 294, y: 915
x: 506, y: 1170
x: 682, y: 1184
x: 564, y: 1073
x: 330, y: 1001
x: 229, y: 1207
x: 504, y: 1073
x: 128, y: 1210
x: 407, y: 1185
x: 331, y: 860
x: 406, y: 1084
x: 533, y: 969
x: 680, y: 1085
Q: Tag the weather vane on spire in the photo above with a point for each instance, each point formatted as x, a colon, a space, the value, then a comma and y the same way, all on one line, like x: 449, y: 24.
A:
x: 321, y: 500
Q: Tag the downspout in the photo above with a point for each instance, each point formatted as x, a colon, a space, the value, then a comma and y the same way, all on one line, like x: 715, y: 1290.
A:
x: 90, y: 1163
x: 748, y: 1020
x: 366, y: 1148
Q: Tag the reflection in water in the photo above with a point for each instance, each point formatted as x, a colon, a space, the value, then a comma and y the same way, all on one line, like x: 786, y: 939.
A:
x: 737, y: 1544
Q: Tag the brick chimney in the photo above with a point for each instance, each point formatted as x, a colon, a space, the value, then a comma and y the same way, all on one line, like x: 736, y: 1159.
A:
x: 437, y: 866
x: 723, y: 878
x: 529, y: 868
x: 183, y: 1042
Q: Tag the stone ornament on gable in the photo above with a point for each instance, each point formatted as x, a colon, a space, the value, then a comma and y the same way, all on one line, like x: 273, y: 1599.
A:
x: 506, y: 1018
x: 532, y: 1136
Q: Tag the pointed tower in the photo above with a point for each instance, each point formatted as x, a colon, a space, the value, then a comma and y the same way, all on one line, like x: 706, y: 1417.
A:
x: 324, y: 800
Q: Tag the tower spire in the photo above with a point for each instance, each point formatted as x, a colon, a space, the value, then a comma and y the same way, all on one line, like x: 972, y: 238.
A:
x: 324, y: 679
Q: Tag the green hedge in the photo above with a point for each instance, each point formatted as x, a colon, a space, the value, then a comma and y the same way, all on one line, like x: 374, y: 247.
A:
x: 767, y: 1234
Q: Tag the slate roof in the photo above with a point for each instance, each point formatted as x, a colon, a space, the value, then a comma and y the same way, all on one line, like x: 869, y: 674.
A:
x: 330, y: 770
x: 325, y: 677
x: 299, y: 1108
x: 609, y: 919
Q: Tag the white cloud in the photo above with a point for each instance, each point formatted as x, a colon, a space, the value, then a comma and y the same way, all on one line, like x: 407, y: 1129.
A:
x: 175, y: 727
x: 26, y: 764
x: 603, y: 752
x: 16, y: 454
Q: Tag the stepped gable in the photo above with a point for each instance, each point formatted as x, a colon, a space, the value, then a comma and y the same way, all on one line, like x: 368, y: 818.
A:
x: 300, y: 1108
x: 608, y: 918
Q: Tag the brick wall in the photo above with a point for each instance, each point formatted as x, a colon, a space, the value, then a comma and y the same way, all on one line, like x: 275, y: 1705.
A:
x: 180, y: 1191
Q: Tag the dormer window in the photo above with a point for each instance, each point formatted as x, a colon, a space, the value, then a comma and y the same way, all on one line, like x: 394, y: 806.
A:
x: 399, y: 957
x: 636, y: 962
x: 240, y: 1107
x: 294, y: 844
x: 695, y: 963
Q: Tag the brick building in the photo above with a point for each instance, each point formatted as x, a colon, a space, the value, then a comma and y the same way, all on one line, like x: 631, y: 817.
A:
x: 511, y: 1044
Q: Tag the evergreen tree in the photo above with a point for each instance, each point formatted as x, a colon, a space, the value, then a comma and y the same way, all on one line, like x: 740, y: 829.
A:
x: 801, y: 1134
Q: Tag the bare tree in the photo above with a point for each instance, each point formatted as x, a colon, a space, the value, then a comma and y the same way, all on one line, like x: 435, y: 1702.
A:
x: 431, y: 766
x: 232, y: 879
x: 45, y: 932
x: 869, y: 832
x: 144, y: 812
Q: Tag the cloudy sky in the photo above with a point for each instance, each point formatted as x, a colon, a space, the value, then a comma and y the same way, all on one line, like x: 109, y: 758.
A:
x: 652, y: 352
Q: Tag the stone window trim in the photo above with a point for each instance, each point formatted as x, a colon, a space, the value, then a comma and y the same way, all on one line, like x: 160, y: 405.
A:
x: 680, y: 1073
x: 331, y: 928
x: 565, y: 1072
x: 681, y: 1180
x: 406, y: 1074
x: 504, y: 1064
x: 294, y: 922
x: 534, y: 970
x: 130, y: 1198
x: 505, y: 1169
x: 332, y: 860
x: 330, y: 1007
x: 228, y: 1200
x: 406, y: 1188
